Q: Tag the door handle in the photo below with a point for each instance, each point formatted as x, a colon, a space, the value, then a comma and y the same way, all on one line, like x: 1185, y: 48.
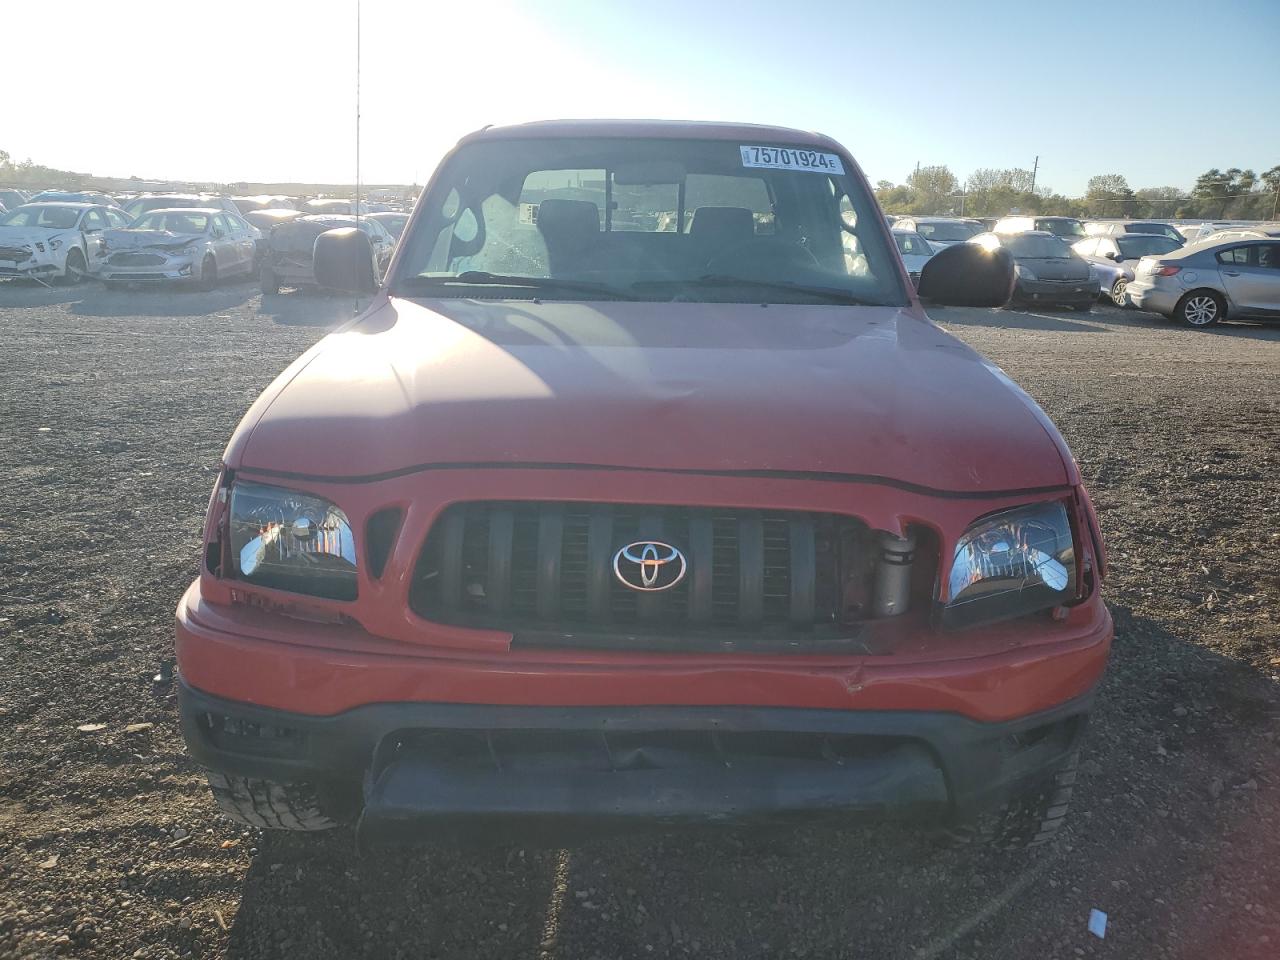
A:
x: 1232, y: 273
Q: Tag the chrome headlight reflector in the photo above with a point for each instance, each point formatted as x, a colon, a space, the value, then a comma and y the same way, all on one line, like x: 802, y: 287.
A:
x: 287, y: 540
x: 1012, y: 563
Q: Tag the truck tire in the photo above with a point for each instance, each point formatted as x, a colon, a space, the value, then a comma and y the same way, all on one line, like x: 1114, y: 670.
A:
x: 1028, y: 820
x: 269, y: 805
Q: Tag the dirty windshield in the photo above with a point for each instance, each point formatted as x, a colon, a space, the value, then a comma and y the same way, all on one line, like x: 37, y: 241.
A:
x: 649, y: 219
x: 190, y: 223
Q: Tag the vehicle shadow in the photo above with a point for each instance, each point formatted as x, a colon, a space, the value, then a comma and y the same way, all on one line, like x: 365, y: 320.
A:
x: 299, y: 308
x: 98, y: 301
x: 812, y: 891
x: 32, y: 293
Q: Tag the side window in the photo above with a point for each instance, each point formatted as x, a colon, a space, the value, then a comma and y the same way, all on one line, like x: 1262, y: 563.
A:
x: 94, y: 220
x: 1269, y: 255
x: 117, y: 219
x: 220, y: 224
x: 1236, y: 256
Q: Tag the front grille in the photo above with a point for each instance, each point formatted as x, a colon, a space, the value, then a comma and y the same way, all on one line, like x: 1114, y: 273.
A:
x: 548, y: 568
x: 16, y: 254
x: 137, y: 276
x: 136, y: 259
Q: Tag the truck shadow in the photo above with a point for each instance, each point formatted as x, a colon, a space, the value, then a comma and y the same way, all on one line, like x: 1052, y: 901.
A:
x: 302, y: 308
x: 1145, y: 789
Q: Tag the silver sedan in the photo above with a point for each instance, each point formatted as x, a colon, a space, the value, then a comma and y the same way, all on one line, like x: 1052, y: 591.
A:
x: 1205, y: 283
x: 200, y: 245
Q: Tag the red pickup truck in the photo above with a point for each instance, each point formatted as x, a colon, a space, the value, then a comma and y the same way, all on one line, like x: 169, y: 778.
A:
x: 645, y: 492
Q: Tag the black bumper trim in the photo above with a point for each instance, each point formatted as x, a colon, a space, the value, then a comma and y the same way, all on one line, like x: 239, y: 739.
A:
x: 918, y: 758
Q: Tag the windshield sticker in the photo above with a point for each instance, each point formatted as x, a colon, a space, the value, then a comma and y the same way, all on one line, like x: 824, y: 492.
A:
x: 791, y: 158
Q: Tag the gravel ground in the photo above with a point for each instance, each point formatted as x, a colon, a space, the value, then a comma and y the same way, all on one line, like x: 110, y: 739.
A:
x: 114, y: 408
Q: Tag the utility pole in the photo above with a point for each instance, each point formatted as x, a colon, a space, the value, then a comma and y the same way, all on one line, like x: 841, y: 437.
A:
x: 1034, y: 170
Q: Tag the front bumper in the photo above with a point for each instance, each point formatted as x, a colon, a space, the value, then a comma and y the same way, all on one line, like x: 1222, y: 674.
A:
x: 1052, y: 292
x: 448, y: 770
x: 171, y: 271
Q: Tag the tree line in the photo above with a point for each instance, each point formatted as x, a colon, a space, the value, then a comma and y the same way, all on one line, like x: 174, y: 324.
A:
x: 1232, y: 194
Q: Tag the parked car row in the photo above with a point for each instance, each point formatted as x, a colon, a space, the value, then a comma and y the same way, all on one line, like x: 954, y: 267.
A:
x: 197, y: 238
x: 1232, y: 270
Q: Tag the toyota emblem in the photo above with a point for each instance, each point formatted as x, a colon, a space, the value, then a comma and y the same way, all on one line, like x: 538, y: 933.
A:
x: 649, y: 566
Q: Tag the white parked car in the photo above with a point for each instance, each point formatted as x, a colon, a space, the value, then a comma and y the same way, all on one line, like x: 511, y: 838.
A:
x: 199, y: 245
x: 915, y: 251
x: 56, y: 241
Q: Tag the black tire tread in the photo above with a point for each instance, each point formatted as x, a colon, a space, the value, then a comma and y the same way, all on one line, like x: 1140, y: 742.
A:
x: 1026, y: 821
x: 269, y: 805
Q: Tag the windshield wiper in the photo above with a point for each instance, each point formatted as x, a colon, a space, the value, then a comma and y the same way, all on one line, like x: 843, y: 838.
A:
x: 484, y: 278
x: 729, y: 280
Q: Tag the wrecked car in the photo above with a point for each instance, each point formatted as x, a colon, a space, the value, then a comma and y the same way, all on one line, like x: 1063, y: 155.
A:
x: 700, y: 520
x: 185, y: 245
x: 55, y: 241
x: 287, y: 259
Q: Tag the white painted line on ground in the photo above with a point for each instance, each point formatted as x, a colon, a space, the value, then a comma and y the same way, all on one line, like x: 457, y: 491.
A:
x: 938, y: 945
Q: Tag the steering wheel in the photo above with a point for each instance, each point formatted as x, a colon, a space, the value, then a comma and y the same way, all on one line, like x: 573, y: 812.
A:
x: 761, y: 255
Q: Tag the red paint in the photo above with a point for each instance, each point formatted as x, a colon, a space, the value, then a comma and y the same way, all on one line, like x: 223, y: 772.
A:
x: 871, y: 412
x: 290, y: 665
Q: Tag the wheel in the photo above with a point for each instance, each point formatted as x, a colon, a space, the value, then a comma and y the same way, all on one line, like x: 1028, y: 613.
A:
x: 269, y: 805
x: 1028, y: 820
x: 270, y: 282
x: 209, y: 274
x: 75, y: 269
x: 1120, y: 292
x: 1200, y: 308
x: 1082, y: 307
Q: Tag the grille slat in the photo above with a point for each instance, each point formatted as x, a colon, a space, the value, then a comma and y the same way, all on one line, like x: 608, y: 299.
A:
x: 549, y: 567
x: 549, y: 560
x: 501, y: 534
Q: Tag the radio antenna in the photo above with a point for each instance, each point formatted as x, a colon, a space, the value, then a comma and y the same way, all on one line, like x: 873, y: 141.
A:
x: 357, y: 204
x: 357, y: 113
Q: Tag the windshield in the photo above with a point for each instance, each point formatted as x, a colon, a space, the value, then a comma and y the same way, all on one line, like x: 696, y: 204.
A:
x: 1134, y: 247
x: 185, y: 223
x: 948, y: 231
x: 394, y: 225
x: 1031, y: 246
x: 1069, y: 229
x: 51, y: 218
x: 912, y: 244
x: 645, y: 219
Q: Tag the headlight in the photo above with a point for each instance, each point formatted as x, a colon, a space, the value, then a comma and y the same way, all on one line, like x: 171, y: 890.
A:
x: 183, y: 252
x: 55, y: 244
x: 1010, y: 564
x: 1023, y: 273
x: 292, y: 541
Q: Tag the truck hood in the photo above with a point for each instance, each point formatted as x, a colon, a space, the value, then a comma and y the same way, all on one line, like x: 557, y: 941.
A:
x: 879, y: 393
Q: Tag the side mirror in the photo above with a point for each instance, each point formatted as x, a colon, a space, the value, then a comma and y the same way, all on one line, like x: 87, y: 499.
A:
x: 1113, y: 255
x: 968, y: 275
x: 342, y: 259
